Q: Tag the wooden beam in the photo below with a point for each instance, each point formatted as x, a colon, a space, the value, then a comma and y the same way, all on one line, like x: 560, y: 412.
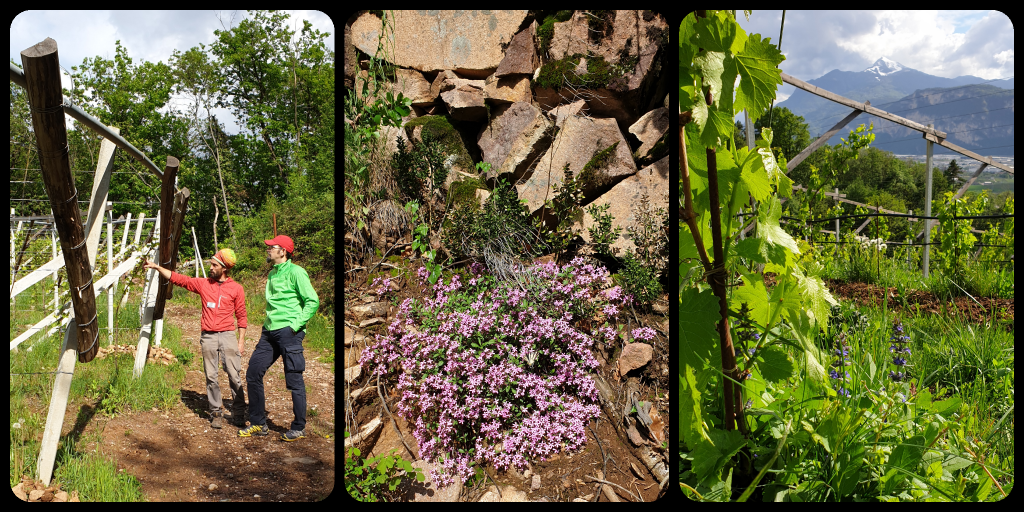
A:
x: 968, y: 153
x: 98, y: 199
x: 42, y: 75
x: 861, y: 106
x: 970, y: 181
x: 790, y: 165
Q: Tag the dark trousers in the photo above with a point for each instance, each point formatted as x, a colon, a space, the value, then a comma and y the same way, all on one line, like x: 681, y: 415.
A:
x: 273, y: 344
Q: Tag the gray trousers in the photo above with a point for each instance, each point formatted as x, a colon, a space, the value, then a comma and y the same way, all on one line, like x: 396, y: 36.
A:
x: 218, y: 345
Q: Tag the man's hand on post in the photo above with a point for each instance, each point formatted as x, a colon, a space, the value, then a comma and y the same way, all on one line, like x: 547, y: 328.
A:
x: 163, y: 271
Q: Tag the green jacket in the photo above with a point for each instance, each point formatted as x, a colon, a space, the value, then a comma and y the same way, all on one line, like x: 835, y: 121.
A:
x: 291, y: 299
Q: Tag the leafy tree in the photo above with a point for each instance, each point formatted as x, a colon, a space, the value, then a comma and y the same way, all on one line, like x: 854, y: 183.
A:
x: 951, y: 174
x: 129, y: 97
x: 253, y: 58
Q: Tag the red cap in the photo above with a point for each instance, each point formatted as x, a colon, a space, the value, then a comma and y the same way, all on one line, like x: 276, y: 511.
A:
x: 283, y: 241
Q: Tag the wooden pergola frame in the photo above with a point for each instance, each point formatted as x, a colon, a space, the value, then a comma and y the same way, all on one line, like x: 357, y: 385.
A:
x: 41, y: 79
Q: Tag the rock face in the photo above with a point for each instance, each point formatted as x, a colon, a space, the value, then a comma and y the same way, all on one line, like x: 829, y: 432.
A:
x: 526, y: 97
x: 468, y: 42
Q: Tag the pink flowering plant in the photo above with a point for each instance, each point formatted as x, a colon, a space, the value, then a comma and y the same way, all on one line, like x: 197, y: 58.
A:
x: 490, y: 372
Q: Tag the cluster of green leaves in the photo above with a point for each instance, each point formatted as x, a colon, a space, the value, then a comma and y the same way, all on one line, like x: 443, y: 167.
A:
x: 996, y: 246
x: 372, y: 107
x: 421, y: 242
x: 640, y: 280
x: 799, y: 437
x: 471, y: 230
x: 376, y: 478
x: 813, y: 204
x: 420, y: 169
x: 602, y: 234
x: 871, y: 445
x: 956, y: 241
x: 566, y: 209
x: 644, y: 266
x: 649, y: 234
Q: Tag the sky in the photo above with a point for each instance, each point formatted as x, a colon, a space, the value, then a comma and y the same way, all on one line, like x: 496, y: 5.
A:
x: 941, y: 43
x: 146, y: 35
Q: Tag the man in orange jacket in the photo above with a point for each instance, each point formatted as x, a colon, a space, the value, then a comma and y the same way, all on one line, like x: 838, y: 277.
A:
x: 223, y: 300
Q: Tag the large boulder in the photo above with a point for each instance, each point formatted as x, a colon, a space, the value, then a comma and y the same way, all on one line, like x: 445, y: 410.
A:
x: 623, y: 199
x: 467, y: 42
x: 514, y: 138
x: 521, y: 56
x: 622, y: 76
x: 577, y: 143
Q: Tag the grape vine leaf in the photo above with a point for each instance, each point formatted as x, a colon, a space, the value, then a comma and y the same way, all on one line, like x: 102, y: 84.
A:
x: 802, y: 330
x: 698, y: 336
x: 764, y: 149
x: 698, y: 339
x: 711, y: 66
x: 755, y: 296
x: 710, y: 458
x: 775, y: 365
x: 757, y: 182
x: 768, y: 228
x: 717, y: 32
x: 687, y: 88
x: 816, y: 295
x: 758, y: 62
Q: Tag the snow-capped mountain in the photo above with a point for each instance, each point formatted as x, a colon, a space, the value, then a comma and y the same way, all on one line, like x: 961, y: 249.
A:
x: 884, y: 82
x: 884, y: 66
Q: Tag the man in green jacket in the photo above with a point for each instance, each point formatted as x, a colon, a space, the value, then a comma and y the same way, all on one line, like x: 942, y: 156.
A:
x: 291, y: 302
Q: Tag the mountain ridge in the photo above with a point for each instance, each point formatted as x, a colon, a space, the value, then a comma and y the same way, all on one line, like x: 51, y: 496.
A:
x: 890, y: 86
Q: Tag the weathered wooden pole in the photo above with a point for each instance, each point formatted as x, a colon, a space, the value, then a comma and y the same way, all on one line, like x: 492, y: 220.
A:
x: 166, y: 218
x: 42, y: 75
x: 180, y: 207
x: 167, y: 245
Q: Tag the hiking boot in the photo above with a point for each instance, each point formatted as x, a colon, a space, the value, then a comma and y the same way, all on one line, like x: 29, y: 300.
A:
x: 293, y: 435
x: 238, y: 418
x: 254, y: 430
x: 218, y: 420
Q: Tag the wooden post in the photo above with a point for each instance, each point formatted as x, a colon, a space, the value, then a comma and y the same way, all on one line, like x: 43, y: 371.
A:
x: 837, y: 220
x: 927, y: 208
x: 149, y: 299
x: 165, y: 251
x: 168, y: 242
x: 42, y: 75
x: 180, y: 207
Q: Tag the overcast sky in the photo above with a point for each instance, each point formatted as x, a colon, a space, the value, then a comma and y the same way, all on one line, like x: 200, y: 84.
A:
x: 941, y: 43
x: 146, y: 35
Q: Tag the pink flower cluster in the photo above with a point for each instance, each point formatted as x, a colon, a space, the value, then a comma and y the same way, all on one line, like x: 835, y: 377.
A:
x: 382, y: 285
x: 494, y: 373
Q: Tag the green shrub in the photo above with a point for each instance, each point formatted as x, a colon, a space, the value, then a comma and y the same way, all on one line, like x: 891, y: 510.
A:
x: 602, y: 236
x: 639, y: 279
x: 376, y: 478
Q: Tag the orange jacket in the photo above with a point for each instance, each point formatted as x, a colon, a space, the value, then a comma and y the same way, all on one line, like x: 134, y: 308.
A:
x: 221, y: 301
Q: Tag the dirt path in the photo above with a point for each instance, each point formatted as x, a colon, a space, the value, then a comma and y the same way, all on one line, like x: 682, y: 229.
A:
x: 177, y: 456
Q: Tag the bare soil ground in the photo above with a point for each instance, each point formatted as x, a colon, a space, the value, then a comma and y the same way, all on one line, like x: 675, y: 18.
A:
x: 976, y: 310
x: 177, y: 456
